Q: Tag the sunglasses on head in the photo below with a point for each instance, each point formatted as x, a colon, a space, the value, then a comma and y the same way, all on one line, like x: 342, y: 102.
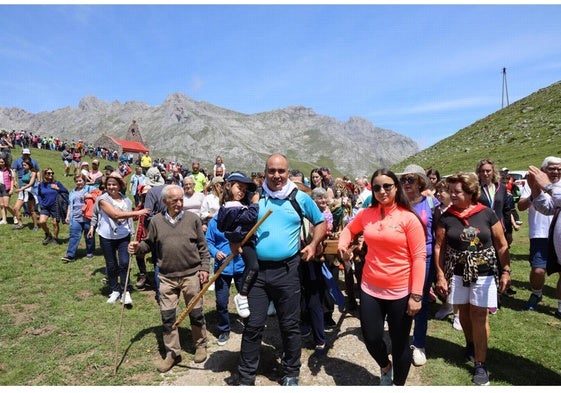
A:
x: 385, y: 186
x: 408, y: 180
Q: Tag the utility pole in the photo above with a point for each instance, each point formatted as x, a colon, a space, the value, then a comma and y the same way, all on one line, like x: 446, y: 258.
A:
x: 505, y: 90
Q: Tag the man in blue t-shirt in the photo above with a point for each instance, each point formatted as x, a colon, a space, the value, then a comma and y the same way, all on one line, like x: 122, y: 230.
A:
x: 279, y: 254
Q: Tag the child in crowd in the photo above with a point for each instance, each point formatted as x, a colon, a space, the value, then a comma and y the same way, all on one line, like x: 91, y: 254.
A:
x: 236, y: 216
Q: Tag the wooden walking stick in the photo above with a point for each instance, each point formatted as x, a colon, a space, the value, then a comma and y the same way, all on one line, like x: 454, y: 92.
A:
x: 218, y: 272
x: 123, y: 302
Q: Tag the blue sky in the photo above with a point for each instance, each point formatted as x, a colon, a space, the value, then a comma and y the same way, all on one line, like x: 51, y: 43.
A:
x: 422, y: 71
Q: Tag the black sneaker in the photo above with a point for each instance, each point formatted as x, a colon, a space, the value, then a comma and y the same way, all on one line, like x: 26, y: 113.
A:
x: 329, y: 323
x: 48, y: 238
x: 480, y: 375
x: 67, y: 259
x: 533, y: 301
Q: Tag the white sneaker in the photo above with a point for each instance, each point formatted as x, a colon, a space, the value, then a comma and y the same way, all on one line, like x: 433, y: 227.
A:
x: 211, y: 287
x: 128, y: 299
x: 242, y: 306
x: 16, y: 221
x: 271, y: 310
x: 445, y: 310
x: 456, y: 324
x: 419, y: 357
x: 3, y: 222
x: 115, y: 295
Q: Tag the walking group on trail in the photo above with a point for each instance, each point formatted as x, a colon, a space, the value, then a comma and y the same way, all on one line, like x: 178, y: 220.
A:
x: 401, y: 240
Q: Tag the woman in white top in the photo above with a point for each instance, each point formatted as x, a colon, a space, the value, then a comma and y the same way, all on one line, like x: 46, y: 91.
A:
x: 211, y: 202
x: 115, y: 227
x: 192, y: 200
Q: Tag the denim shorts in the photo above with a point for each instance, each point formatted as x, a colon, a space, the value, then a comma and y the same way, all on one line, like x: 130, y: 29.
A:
x: 538, y: 252
x: 49, y: 211
x: 3, y: 191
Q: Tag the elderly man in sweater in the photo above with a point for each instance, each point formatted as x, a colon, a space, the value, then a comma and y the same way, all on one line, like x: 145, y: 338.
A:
x: 184, y: 262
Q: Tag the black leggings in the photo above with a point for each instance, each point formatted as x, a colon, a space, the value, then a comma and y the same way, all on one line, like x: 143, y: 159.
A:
x: 372, y: 314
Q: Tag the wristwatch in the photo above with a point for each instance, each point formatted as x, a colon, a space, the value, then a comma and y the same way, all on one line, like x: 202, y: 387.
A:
x: 417, y: 298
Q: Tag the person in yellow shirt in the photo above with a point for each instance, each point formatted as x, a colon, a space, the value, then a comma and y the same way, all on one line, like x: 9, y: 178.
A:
x: 200, y: 178
x: 145, y: 162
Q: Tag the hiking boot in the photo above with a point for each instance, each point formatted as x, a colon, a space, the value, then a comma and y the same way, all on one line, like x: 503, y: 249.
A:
x: 445, y: 310
x: 480, y: 375
x: 418, y: 358
x: 533, y: 301
x: 115, y: 295
x: 48, y: 238
x: 200, y: 355
x: 290, y: 381
x: 242, y: 306
x: 166, y: 364
x: 223, y: 338
x: 141, y: 281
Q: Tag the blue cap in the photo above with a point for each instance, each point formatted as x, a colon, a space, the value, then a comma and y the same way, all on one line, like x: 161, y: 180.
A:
x: 242, y: 178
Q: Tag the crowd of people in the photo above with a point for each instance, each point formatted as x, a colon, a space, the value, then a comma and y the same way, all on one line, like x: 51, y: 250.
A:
x: 403, y: 240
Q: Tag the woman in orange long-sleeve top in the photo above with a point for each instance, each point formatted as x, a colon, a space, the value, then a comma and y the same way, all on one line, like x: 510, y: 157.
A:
x: 393, y: 273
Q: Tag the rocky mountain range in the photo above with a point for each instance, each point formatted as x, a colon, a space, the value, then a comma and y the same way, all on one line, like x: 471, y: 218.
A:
x: 185, y: 130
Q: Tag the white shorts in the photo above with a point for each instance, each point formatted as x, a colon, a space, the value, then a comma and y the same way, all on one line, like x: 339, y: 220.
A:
x: 482, y: 293
x: 25, y: 195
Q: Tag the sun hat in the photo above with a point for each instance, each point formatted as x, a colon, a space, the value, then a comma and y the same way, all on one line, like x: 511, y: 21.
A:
x: 26, y: 151
x: 85, y: 163
x: 419, y: 171
x: 216, y: 180
x: 117, y: 176
x: 154, y: 177
x: 242, y: 178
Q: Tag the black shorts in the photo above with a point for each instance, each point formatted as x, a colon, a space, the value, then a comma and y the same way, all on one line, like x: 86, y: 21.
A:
x: 3, y: 191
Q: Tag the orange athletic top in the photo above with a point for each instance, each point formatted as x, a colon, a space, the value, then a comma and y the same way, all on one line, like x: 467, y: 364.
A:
x: 396, y: 257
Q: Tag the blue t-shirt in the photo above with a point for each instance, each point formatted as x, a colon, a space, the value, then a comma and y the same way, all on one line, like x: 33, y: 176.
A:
x: 278, y: 237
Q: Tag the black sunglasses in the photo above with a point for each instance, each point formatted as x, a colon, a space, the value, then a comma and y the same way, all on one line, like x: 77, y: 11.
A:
x: 49, y: 173
x: 409, y: 180
x: 387, y: 187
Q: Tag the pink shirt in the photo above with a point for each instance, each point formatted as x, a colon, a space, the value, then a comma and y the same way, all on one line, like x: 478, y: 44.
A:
x: 395, y: 263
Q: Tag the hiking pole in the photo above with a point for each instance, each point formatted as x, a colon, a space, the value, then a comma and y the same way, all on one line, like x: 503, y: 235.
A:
x: 226, y: 262
x: 123, y: 303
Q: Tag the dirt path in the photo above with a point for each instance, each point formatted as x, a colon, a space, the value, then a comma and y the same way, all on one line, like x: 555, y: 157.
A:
x: 346, y: 363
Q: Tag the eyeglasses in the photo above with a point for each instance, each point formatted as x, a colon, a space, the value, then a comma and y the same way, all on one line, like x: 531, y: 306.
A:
x: 386, y: 186
x: 407, y: 180
x: 49, y: 173
x: 553, y: 169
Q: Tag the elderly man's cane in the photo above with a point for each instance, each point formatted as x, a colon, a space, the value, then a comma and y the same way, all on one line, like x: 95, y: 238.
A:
x: 218, y: 272
x: 123, y: 304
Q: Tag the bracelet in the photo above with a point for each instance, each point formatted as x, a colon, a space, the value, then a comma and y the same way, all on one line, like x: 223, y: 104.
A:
x: 507, y: 271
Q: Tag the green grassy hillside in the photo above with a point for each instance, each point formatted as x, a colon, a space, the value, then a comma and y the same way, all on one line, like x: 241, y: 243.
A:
x: 521, y: 134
